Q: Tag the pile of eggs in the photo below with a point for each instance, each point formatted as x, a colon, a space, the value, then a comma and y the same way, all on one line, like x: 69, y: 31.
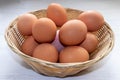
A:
x: 72, y: 42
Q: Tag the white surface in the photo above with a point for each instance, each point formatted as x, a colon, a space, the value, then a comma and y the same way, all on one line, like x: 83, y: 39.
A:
x: 13, y: 68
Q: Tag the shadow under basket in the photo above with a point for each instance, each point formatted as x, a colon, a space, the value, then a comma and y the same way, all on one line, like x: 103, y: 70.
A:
x: 104, y: 35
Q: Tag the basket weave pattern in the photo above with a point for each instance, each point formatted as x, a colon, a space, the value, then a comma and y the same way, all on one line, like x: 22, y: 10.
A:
x: 104, y: 35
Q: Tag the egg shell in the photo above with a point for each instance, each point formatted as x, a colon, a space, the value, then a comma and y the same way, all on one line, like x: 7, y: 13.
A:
x: 90, y: 43
x: 46, y: 52
x: 73, y: 54
x: 29, y: 45
x: 44, y: 30
x: 73, y: 32
x: 25, y: 23
x: 57, y: 13
x: 93, y: 19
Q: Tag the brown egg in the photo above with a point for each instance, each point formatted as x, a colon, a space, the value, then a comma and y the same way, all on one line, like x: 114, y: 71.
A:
x: 57, y: 13
x: 73, y: 54
x: 25, y: 23
x: 90, y: 43
x: 44, y: 30
x: 29, y: 45
x: 72, y: 32
x: 46, y: 52
x: 93, y: 19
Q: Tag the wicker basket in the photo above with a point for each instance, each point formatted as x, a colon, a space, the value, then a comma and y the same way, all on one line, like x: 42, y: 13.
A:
x: 105, y: 37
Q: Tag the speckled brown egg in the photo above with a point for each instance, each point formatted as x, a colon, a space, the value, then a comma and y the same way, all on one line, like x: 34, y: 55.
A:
x: 46, y: 52
x: 57, y: 13
x: 72, y: 32
x: 44, y: 30
x: 93, y: 19
x: 29, y: 45
x: 25, y: 23
x: 73, y: 54
x: 90, y: 43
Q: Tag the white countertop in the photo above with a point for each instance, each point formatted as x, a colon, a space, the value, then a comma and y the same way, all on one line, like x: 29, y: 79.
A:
x: 13, y: 68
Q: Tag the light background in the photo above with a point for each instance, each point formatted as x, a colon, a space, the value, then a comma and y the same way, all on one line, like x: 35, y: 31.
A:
x: 13, y: 68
